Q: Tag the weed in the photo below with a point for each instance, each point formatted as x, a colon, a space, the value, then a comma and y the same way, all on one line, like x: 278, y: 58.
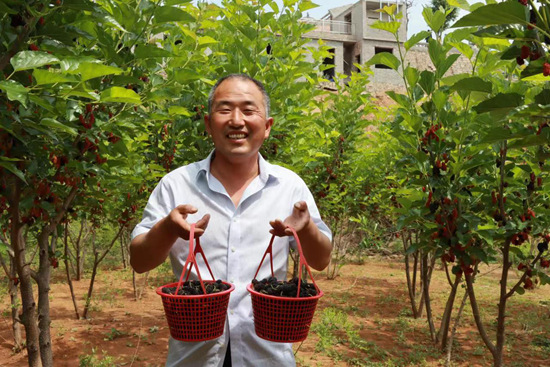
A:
x: 113, y: 334
x: 333, y: 328
x: 543, y: 342
x: 386, y: 299
x: 153, y: 329
x: 478, y: 351
x: 92, y: 360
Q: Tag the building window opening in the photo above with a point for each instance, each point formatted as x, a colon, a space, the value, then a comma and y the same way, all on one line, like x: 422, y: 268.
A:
x: 378, y: 50
x: 347, y: 18
x: 328, y: 66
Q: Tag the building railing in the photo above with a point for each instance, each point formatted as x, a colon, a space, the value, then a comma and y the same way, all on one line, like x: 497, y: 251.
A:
x: 330, y: 26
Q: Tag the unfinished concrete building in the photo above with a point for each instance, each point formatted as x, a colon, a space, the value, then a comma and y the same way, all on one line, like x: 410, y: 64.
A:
x: 347, y: 31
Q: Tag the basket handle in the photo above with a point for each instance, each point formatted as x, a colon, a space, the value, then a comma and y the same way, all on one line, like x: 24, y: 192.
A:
x: 303, y: 261
x: 192, y: 261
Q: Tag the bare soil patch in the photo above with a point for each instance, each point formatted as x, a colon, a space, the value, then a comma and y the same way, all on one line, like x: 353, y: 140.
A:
x: 370, y: 300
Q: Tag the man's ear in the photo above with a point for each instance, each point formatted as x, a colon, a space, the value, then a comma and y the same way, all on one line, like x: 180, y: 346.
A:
x: 268, y: 125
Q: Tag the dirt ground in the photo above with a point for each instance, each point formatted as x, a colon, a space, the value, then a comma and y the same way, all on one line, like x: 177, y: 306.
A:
x: 363, y: 320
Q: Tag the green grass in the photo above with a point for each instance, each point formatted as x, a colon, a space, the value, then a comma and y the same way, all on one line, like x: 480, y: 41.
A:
x: 94, y: 360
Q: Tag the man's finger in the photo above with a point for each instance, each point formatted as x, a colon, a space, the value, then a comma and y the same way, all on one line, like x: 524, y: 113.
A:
x: 301, y: 205
x: 203, y: 222
x: 186, y: 209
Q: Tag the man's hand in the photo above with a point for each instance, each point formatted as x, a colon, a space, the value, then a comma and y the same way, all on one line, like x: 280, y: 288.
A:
x: 176, y: 221
x: 299, y: 220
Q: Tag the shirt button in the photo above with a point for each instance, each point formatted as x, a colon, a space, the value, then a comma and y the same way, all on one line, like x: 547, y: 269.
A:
x: 231, y: 312
x: 232, y: 281
x: 232, y: 249
x: 235, y: 220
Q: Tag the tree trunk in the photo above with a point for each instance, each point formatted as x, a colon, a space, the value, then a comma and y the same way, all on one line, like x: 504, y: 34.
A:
x: 122, y: 252
x: 477, y: 316
x: 417, y: 309
x: 68, y: 272
x: 79, y: 253
x: 18, y: 245
x: 134, y: 284
x: 453, y: 331
x: 14, y: 301
x: 501, y: 318
x: 426, y: 291
x: 91, y: 287
x: 443, y: 333
x: 146, y: 281
x: 97, y: 261
x: 43, y: 282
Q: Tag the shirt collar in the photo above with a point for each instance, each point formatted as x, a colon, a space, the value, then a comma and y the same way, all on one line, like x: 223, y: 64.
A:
x: 266, y: 169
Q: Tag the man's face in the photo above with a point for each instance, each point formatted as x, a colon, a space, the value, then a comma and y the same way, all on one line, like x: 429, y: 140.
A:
x: 238, y: 123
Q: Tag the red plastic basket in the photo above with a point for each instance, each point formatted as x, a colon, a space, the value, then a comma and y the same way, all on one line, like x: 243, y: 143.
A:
x: 283, y: 319
x: 200, y: 317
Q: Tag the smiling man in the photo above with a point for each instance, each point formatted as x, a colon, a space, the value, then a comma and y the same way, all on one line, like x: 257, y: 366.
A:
x: 236, y: 199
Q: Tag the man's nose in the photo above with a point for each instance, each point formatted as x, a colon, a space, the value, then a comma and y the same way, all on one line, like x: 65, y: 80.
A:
x: 237, y: 117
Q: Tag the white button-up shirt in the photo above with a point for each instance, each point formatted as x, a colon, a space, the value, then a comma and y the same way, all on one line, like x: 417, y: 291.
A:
x: 234, y: 243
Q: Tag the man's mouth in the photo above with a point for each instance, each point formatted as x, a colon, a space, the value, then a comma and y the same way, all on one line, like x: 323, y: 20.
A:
x: 236, y: 136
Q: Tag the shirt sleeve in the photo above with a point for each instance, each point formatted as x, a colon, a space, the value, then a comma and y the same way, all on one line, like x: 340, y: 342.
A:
x: 158, y: 206
x: 305, y: 195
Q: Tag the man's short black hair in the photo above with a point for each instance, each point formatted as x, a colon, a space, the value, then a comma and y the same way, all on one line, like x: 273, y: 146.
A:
x: 242, y: 77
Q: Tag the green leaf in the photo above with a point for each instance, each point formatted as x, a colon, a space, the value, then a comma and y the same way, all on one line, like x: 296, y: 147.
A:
x: 47, y: 105
x: 176, y: 2
x: 249, y: 32
x: 497, y: 134
x: 54, y: 124
x: 6, y: 9
x: 15, y: 91
x: 206, y: 40
x: 473, y: 84
x: 507, y: 12
x: 119, y: 94
x: 72, y: 63
x: 439, y: 98
x: 516, y: 251
x: 529, y: 141
x: 427, y: 81
x: 412, y: 75
x: 165, y: 14
x: 399, y: 98
x: 435, y: 20
x: 51, y: 77
x: 186, y: 75
x: 178, y: 110
x: 91, y: 70
x: 12, y: 168
x: 520, y: 290
x: 391, y: 27
x: 32, y: 59
x: 463, y: 48
x: 462, y: 4
x: 414, y: 39
x: 306, y: 5
x: 543, y: 97
x: 385, y: 58
x: 436, y: 51
x: 445, y: 65
x: 150, y: 51
x: 500, y: 104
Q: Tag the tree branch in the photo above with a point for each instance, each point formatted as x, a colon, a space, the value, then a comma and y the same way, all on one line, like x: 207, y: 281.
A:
x: 515, y: 287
